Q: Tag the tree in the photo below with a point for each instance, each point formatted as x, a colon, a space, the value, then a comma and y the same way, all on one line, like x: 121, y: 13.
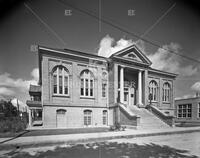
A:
x: 9, y: 109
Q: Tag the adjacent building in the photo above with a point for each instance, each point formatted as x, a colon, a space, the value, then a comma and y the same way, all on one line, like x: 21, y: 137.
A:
x: 187, y: 111
x: 78, y: 89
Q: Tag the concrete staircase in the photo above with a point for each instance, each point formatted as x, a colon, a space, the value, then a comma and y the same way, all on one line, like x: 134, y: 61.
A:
x: 148, y: 120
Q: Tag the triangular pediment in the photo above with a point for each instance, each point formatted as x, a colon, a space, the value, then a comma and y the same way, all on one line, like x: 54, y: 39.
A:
x: 132, y: 54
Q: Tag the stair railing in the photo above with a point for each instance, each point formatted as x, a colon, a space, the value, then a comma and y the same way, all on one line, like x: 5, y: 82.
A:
x: 165, y: 118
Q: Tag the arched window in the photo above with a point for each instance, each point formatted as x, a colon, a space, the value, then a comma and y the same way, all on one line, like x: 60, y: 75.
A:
x: 105, y: 116
x: 166, y: 92
x: 153, y: 90
x: 60, y: 80
x: 104, y: 84
x: 87, y: 84
x: 60, y: 111
x: 87, y: 117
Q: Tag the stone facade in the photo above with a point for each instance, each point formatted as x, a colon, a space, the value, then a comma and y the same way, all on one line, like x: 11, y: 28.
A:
x: 126, y: 76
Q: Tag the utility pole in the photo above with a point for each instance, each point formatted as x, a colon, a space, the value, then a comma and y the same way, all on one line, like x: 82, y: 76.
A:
x: 17, y: 107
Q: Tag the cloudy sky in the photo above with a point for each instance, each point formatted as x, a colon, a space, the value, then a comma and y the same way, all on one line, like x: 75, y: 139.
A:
x: 46, y: 22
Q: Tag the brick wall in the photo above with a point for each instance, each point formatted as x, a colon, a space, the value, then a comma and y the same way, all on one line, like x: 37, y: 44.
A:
x: 74, y: 115
x: 194, y: 119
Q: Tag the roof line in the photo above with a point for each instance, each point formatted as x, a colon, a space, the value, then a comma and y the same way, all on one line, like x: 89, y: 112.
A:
x: 64, y: 51
x: 164, y: 72
x: 133, y: 46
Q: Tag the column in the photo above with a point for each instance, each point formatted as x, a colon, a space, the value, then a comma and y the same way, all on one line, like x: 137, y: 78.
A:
x: 29, y: 118
x: 122, y: 84
x: 140, y: 87
x: 145, y: 87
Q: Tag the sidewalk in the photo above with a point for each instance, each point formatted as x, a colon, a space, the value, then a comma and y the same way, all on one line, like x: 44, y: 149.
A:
x: 86, y: 137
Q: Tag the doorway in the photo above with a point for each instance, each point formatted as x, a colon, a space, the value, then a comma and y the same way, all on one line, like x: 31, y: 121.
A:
x: 132, y: 96
x: 129, y: 94
x: 61, y: 119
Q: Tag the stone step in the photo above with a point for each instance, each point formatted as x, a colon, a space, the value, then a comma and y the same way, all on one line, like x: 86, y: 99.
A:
x: 148, y: 120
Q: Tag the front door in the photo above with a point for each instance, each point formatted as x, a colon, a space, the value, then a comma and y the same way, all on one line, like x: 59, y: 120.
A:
x: 126, y: 95
x: 132, y: 96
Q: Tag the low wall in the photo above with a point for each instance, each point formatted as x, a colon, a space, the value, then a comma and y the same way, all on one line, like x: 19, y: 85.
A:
x: 170, y: 120
x: 126, y: 119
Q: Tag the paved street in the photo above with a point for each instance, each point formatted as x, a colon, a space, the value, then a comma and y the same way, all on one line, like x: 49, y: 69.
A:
x: 178, y: 145
x: 187, y: 141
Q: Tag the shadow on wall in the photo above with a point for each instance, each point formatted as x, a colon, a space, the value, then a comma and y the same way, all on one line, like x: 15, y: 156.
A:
x: 110, y: 150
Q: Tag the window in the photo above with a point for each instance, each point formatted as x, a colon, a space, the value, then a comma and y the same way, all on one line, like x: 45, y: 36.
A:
x: 153, y: 90
x: 126, y: 92
x: 185, y: 111
x: 60, y: 81
x: 104, y: 117
x: 104, y: 84
x: 36, y: 114
x: 87, y: 117
x: 87, y: 84
x: 61, y: 111
x: 166, y: 92
x: 198, y: 110
x: 104, y: 90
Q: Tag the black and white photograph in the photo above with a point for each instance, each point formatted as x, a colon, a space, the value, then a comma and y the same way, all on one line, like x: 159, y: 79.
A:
x: 99, y: 79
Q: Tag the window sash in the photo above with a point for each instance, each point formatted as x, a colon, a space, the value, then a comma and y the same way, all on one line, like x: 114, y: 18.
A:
x: 198, y: 110
x: 87, y: 118
x: 54, y: 84
x: 104, y: 90
x: 166, y: 96
x: 153, y: 89
x: 60, y: 81
x: 87, y: 85
x: 104, y: 117
x: 184, y: 111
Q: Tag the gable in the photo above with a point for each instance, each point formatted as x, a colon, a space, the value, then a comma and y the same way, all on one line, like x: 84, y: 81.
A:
x: 132, y: 54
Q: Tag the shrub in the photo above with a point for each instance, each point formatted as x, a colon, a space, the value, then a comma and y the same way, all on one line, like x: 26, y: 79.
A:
x: 117, y: 127
x: 13, y: 124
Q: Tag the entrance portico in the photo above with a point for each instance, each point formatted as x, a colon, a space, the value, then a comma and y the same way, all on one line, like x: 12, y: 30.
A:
x: 130, y: 90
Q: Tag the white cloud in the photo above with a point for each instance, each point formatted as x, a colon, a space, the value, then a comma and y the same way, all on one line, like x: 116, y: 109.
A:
x: 9, y: 86
x: 7, y: 81
x: 196, y: 87
x: 161, y: 59
x: 35, y: 74
x: 4, y: 91
x: 107, y: 46
x: 22, y: 106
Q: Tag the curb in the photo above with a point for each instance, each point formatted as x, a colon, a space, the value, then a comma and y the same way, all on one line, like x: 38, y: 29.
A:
x: 92, y: 139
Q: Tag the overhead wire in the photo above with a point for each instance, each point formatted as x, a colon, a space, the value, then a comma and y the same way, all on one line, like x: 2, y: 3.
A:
x: 104, y: 20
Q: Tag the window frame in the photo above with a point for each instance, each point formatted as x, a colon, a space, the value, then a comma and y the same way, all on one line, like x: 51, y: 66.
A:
x: 87, y: 81
x: 60, y: 71
x: 183, y: 112
x: 104, y: 90
x: 166, y: 90
x: 87, y: 117
x: 154, y: 90
x: 105, y: 117
x: 198, y: 110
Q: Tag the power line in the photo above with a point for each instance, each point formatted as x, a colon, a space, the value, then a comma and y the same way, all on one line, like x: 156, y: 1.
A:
x: 46, y: 25
x: 125, y: 31
x: 157, y: 21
